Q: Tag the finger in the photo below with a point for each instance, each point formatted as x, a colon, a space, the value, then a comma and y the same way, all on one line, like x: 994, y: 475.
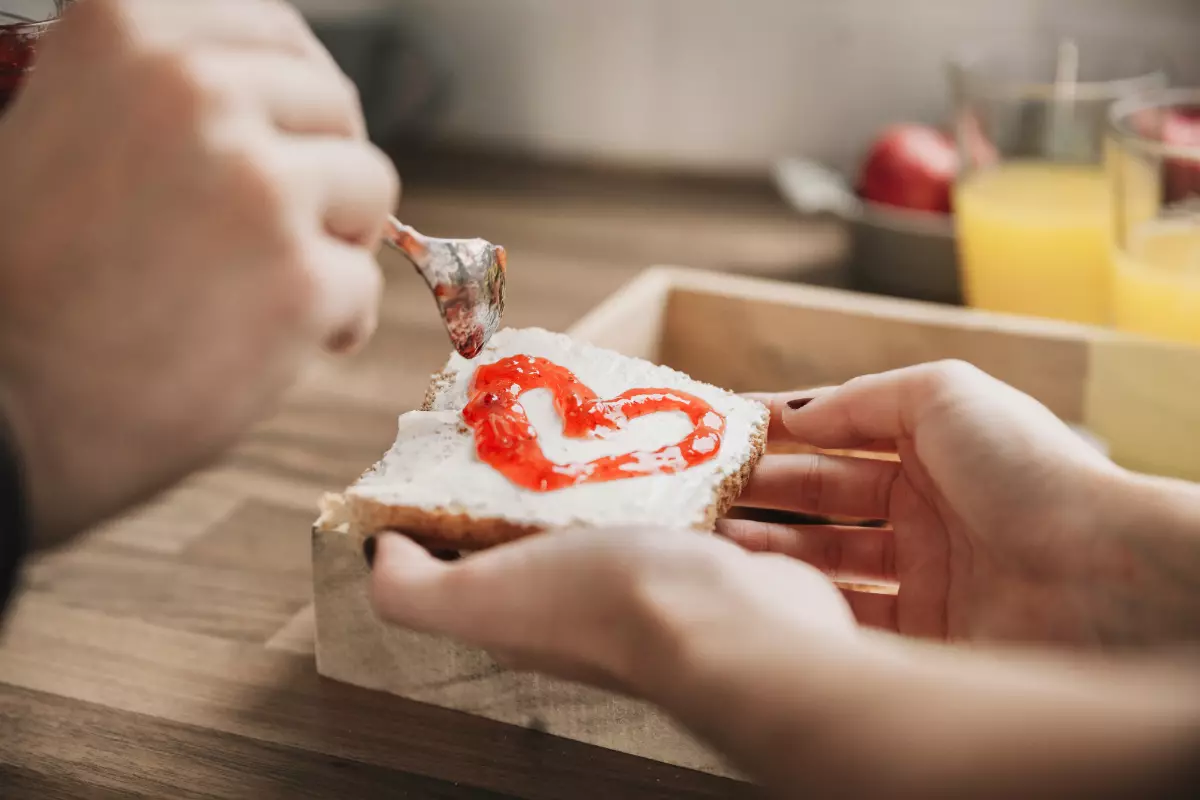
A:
x: 495, y: 599
x: 863, y: 411
x: 409, y: 586
x: 777, y: 404
x: 889, y: 405
x: 259, y: 24
x: 822, y: 484
x: 297, y: 95
x: 363, y: 190
x: 348, y: 284
x: 843, y: 553
x: 778, y: 432
x: 873, y: 610
x: 352, y: 185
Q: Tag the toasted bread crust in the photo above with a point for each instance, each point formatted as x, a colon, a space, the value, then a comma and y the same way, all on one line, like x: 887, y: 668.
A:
x: 444, y: 529
x: 437, y: 384
x: 726, y: 494
x: 436, y: 528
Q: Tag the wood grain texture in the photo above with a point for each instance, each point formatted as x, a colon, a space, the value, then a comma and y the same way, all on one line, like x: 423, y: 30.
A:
x: 762, y: 336
x: 170, y: 653
x: 1142, y: 398
x: 179, y: 761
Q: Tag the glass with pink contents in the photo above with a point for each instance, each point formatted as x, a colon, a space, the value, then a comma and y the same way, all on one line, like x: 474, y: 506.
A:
x: 22, y: 24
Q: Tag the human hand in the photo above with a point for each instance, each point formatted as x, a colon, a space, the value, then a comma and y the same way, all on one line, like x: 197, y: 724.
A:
x: 758, y: 656
x: 756, y: 652
x: 190, y: 208
x: 1004, y: 524
x: 623, y: 609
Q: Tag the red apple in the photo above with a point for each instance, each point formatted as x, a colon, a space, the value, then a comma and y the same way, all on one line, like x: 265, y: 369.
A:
x: 910, y: 166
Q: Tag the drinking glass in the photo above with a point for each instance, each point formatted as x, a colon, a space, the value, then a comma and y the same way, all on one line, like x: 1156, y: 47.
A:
x: 1032, y: 208
x: 22, y: 23
x: 1155, y: 174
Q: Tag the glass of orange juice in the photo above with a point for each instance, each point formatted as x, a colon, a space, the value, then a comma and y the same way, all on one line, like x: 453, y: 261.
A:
x: 1154, y: 165
x: 1033, y: 214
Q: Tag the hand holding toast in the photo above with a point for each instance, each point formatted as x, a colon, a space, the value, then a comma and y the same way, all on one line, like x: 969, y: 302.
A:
x: 1004, y: 525
x: 190, y: 209
x: 608, y: 606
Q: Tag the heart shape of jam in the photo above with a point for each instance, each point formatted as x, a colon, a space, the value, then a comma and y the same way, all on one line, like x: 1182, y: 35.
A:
x: 507, y: 441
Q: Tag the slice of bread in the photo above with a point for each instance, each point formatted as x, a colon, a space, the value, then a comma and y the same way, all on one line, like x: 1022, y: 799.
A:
x: 432, y: 485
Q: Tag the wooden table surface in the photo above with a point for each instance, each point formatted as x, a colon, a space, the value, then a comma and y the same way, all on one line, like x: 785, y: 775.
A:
x: 169, y: 654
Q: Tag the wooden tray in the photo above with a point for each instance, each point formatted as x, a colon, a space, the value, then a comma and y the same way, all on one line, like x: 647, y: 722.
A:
x: 748, y: 334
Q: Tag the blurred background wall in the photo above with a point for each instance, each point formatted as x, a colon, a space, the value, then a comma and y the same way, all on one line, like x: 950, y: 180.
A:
x: 711, y: 84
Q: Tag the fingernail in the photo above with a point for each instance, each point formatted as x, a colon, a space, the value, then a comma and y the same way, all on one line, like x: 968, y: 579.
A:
x: 369, y: 551
x: 342, y: 342
x: 799, y: 403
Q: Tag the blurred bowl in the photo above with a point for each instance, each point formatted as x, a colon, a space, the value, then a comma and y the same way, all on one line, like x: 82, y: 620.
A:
x: 893, y: 251
x: 902, y: 253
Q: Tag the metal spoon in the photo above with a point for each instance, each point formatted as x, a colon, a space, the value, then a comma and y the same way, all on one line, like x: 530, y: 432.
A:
x: 466, y: 277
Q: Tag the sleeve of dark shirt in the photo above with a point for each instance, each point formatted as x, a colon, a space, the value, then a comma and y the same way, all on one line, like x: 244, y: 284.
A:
x: 13, y: 523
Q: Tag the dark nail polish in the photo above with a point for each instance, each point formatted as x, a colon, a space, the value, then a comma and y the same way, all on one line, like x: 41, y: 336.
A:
x: 799, y: 403
x: 369, y: 551
x: 342, y: 342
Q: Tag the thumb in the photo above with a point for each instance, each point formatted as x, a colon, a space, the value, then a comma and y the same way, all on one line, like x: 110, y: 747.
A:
x: 409, y: 586
x: 880, y: 408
